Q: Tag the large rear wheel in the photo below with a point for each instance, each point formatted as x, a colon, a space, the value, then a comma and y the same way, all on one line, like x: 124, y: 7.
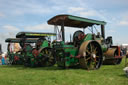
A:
x: 91, y: 55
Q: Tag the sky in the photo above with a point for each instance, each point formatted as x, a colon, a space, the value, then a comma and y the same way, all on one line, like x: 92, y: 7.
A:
x: 32, y: 15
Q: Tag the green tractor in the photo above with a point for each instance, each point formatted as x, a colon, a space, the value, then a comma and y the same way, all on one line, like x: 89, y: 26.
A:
x: 16, y: 56
x: 41, y: 54
x: 85, y: 50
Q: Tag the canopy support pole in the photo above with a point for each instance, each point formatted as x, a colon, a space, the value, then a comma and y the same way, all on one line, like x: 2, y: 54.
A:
x: 63, y: 32
x: 103, y: 31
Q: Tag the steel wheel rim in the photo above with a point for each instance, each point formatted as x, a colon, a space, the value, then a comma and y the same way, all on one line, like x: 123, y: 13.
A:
x: 91, y: 55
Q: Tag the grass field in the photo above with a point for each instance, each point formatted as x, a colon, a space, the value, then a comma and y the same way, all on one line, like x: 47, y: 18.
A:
x: 20, y: 75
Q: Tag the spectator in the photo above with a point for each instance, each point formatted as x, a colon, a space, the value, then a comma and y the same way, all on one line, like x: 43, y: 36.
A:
x: 3, y: 60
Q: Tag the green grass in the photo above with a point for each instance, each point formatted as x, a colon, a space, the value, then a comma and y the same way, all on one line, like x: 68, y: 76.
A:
x: 20, y: 75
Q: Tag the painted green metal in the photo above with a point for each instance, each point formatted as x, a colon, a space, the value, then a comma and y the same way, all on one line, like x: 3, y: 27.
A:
x: 70, y: 60
x: 104, y: 48
x: 88, y: 37
x: 86, y: 20
x: 28, y: 57
x: 65, y: 54
x: 45, y: 44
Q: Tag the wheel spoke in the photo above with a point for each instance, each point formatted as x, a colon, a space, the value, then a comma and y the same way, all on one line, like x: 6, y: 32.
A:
x: 88, y: 58
x: 91, y: 48
x: 50, y: 53
x: 95, y: 50
x: 97, y: 56
x: 46, y: 51
x: 88, y: 52
x: 93, y: 59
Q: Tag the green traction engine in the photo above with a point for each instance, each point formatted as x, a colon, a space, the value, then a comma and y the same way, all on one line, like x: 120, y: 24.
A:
x: 88, y: 50
x: 16, y: 56
x: 41, y: 53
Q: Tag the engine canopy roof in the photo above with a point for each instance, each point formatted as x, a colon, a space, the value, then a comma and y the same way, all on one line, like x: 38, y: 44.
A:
x: 74, y: 21
x: 33, y: 34
x: 18, y: 40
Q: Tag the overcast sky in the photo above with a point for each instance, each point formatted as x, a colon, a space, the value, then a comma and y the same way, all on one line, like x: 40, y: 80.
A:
x: 32, y: 15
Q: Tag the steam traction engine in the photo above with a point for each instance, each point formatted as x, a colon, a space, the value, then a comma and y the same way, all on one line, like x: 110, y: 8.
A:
x: 15, y: 49
x: 86, y: 50
x: 41, y: 54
